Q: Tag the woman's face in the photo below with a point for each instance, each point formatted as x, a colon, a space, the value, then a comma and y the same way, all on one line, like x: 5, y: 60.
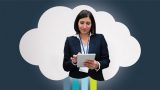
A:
x: 84, y: 25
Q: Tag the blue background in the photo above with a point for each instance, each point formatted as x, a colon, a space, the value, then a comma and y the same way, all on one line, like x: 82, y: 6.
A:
x: 142, y: 17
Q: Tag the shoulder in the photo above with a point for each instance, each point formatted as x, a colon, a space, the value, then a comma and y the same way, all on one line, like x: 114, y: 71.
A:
x: 72, y: 38
x: 98, y: 36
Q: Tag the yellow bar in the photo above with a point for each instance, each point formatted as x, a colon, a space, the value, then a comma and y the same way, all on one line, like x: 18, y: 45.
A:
x: 93, y: 84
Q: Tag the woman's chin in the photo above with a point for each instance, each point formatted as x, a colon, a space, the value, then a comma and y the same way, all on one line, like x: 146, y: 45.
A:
x: 84, y: 32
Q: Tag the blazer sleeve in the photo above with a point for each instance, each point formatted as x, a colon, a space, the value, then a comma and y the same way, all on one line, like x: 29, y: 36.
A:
x: 67, y: 64
x: 104, y: 57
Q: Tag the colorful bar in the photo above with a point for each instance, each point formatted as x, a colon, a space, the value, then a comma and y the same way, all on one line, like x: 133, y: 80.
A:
x: 66, y: 84
x: 75, y: 84
x: 93, y: 84
x: 84, y: 83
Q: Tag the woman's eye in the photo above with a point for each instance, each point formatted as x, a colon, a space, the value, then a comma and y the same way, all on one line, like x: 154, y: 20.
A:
x: 88, y: 23
x: 81, y: 22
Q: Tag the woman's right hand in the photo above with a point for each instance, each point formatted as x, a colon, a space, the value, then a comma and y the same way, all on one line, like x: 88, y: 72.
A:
x: 74, y: 59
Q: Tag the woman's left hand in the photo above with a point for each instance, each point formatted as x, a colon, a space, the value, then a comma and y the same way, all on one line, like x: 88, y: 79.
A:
x: 91, y: 64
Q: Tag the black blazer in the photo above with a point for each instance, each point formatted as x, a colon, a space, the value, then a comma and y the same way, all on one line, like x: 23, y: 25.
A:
x: 97, y: 45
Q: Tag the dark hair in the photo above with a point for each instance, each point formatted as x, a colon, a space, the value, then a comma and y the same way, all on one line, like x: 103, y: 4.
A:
x: 83, y: 14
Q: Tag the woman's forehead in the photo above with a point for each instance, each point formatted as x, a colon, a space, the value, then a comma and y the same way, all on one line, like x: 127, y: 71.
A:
x: 85, y: 19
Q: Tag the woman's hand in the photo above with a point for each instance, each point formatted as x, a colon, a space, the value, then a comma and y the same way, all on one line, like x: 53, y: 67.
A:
x: 91, y: 64
x: 74, y: 59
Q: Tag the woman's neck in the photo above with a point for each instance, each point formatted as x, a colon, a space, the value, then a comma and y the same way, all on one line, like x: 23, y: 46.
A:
x: 84, y: 36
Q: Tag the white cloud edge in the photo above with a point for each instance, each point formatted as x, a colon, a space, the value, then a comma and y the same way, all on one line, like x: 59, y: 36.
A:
x: 34, y: 62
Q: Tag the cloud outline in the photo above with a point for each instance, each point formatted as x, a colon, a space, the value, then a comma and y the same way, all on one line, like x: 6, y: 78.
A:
x: 35, y: 43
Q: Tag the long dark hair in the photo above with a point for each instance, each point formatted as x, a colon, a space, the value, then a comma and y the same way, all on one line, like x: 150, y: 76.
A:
x: 83, y: 14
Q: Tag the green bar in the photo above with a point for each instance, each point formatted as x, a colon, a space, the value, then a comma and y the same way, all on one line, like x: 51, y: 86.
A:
x: 93, y: 84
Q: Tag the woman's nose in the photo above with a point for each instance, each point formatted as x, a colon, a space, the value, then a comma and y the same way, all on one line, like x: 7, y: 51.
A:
x: 84, y: 26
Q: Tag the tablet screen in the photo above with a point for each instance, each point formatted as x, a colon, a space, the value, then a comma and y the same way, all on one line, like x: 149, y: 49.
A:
x: 81, y: 58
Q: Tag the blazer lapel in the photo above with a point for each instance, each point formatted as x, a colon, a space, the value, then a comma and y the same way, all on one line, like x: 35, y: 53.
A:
x: 92, y: 44
x: 77, y: 46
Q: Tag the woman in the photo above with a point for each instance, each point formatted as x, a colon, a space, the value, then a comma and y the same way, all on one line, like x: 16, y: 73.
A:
x: 86, y: 41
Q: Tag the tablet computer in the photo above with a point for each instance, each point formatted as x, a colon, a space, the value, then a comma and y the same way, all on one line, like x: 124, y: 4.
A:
x: 81, y: 58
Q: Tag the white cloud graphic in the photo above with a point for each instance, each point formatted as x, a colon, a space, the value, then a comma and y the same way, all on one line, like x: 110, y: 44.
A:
x: 43, y: 46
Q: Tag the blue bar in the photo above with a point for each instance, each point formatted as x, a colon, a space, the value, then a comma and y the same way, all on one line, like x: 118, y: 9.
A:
x: 66, y: 84
x: 84, y: 83
x: 75, y: 84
